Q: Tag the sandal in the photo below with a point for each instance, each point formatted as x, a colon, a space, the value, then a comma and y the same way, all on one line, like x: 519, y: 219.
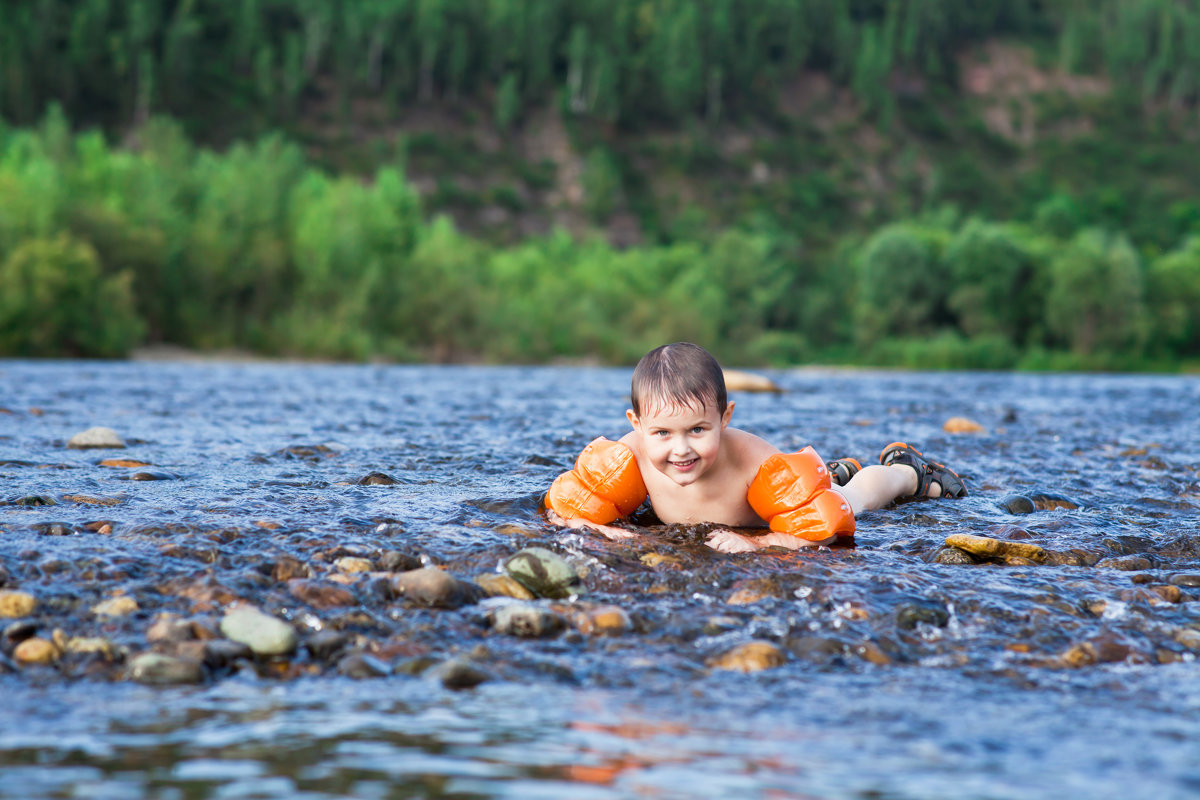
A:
x: 928, y: 472
x: 841, y: 470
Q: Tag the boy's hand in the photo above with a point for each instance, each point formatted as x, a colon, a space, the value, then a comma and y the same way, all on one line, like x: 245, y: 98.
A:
x: 605, y: 530
x: 729, y: 542
x: 726, y: 541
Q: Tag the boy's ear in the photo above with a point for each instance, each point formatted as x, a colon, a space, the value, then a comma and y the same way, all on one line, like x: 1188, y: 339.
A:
x: 632, y: 417
x: 728, y: 415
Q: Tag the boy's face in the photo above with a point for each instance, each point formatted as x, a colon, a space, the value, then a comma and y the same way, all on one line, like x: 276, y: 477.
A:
x: 681, y: 441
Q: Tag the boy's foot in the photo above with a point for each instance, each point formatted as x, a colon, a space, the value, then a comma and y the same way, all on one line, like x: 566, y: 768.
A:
x: 841, y: 470
x: 929, y: 472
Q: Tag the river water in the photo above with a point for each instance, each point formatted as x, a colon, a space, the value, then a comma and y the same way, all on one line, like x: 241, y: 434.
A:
x: 904, y: 677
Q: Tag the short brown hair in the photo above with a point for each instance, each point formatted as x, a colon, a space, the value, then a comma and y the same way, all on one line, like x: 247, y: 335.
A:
x: 680, y: 373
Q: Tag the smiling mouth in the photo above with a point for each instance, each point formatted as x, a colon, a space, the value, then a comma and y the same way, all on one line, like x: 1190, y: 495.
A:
x: 685, y: 464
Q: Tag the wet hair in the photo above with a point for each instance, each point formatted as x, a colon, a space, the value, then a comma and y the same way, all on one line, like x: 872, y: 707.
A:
x: 678, y: 374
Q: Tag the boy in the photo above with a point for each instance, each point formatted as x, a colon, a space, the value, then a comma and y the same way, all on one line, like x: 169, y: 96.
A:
x: 695, y: 468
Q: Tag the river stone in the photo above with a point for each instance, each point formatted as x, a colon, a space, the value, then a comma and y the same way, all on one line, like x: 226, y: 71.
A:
x: 120, y: 606
x: 1189, y: 638
x: 739, y: 381
x: 433, y: 587
x: 96, y: 438
x: 526, y: 620
x: 962, y: 425
x: 321, y: 595
x: 1127, y: 563
x: 1018, y: 504
x: 153, y: 475
x: 361, y: 666
x: 36, y: 651
x: 168, y: 627
x: 377, y: 479
x: 4, y: 576
x: 750, y: 657
x: 498, y: 585
x: 124, y: 462
x: 397, y: 561
x: 1181, y: 579
x: 911, y: 614
x: 157, y: 669
x: 995, y: 548
x: 15, y: 604
x: 953, y: 556
x: 90, y: 645
x: 262, y: 633
x: 324, y: 645
x: 601, y: 620
x: 19, y: 631
x: 459, y: 674
x: 544, y: 573
x: 352, y: 564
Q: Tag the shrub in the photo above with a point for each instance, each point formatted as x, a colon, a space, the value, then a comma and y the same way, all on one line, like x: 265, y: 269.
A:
x: 56, y: 302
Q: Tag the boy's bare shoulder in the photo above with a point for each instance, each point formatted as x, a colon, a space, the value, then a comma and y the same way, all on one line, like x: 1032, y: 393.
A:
x: 750, y: 450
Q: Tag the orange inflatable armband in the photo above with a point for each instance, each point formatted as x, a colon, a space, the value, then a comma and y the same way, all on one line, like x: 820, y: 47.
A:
x: 605, y: 485
x: 792, y: 493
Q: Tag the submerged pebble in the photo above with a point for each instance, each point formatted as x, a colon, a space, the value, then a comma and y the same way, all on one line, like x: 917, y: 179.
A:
x: 502, y: 585
x: 544, y: 573
x: 995, y: 548
x: 361, y: 666
x: 527, y: 620
x: 433, y: 587
x: 96, y: 438
x: 36, y: 650
x: 16, y: 604
x: 115, y: 607
x: 262, y: 633
x: 751, y: 657
x: 157, y: 669
x: 459, y: 674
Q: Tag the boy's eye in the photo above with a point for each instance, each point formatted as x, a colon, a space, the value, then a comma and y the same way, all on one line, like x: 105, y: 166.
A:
x: 697, y: 429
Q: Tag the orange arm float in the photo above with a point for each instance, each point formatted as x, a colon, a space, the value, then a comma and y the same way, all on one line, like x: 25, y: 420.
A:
x: 792, y: 493
x: 606, y: 484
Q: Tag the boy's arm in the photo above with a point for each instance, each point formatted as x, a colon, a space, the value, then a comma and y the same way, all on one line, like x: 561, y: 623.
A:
x: 793, y: 493
x: 604, y: 486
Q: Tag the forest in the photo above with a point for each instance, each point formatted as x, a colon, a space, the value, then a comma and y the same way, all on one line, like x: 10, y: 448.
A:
x: 1003, y: 184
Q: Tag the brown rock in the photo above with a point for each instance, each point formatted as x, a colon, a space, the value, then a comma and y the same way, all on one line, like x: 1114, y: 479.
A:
x: 503, y: 586
x: 601, y: 620
x: 124, y: 462
x: 353, y: 564
x: 320, y: 594
x: 36, y: 651
x: 120, y: 606
x: 658, y: 560
x: 750, y: 657
x: 1189, y: 638
x: 1168, y: 592
x: 432, y: 587
x: 995, y: 548
x: 739, y: 381
x: 869, y: 651
x: 962, y: 425
x: 287, y: 568
x: 15, y: 604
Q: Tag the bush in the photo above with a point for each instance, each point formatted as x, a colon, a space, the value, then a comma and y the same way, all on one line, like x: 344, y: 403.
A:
x: 56, y: 302
x: 901, y: 290
x: 1095, y: 297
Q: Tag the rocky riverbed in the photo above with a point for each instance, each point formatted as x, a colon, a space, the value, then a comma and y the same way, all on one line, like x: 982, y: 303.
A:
x: 370, y: 538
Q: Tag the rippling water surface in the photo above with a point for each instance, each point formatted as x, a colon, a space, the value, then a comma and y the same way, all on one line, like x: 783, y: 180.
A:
x: 904, y: 677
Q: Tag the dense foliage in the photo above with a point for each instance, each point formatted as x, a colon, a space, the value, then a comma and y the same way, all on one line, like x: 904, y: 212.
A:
x: 623, y: 61
x: 102, y: 247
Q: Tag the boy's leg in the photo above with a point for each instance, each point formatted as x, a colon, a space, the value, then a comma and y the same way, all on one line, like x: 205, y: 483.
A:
x: 876, y: 486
